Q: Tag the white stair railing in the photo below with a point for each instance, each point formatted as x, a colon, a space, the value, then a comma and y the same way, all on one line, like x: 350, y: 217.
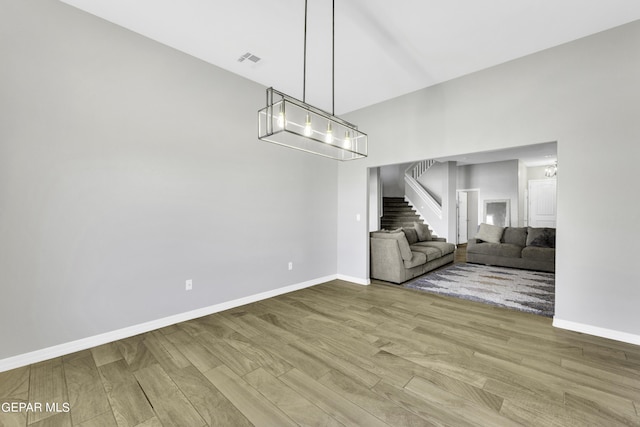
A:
x: 425, y: 205
x: 415, y: 170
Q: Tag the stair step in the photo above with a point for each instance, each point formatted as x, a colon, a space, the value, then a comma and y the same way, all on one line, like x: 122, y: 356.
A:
x: 400, y: 218
x: 402, y: 209
x: 397, y: 225
x: 415, y: 218
x: 397, y: 213
x: 397, y: 208
x: 401, y: 213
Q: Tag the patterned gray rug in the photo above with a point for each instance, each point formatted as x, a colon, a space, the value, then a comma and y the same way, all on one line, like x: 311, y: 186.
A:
x: 530, y: 291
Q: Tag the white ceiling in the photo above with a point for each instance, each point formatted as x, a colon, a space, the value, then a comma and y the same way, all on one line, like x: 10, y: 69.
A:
x: 383, y: 48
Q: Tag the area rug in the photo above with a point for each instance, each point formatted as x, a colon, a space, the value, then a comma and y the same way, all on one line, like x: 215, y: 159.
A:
x: 529, y: 291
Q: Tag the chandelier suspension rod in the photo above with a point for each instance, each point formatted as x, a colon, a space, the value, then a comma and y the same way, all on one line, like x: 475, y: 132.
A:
x: 304, y: 67
x: 333, y: 57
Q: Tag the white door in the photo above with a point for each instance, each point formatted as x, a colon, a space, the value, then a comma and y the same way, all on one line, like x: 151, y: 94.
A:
x: 462, y: 217
x: 542, y: 203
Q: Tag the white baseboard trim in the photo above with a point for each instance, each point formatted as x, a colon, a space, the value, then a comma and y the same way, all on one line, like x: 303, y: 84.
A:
x: 356, y: 280
x: 597, y: 331
x: 96, y: 340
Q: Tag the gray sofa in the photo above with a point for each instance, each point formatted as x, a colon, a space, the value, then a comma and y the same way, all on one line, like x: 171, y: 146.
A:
x: 400, y: 255
x: 518, y: 247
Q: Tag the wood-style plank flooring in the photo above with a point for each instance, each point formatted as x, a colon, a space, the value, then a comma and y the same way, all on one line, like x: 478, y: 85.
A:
x: 341, y: 354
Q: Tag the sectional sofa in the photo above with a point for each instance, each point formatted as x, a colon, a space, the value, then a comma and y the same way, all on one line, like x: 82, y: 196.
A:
x: 528, y: 248
x: 402, y: 254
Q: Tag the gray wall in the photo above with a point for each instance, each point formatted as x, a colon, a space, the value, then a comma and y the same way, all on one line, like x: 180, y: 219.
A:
x: 392, y: 177
x: 126, y: 168
x: 582, y: 94
x: 496, y: 181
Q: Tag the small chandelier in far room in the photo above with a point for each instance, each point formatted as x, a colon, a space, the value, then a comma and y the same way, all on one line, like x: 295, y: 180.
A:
x: 295, y: 124
x: 551, y: 170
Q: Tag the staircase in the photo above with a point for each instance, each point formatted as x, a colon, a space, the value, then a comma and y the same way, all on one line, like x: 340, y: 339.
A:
x: 426, y: 205
x: 397, y: 213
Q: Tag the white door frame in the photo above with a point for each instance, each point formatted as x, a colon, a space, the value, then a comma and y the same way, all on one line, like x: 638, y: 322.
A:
x: 458, y: 191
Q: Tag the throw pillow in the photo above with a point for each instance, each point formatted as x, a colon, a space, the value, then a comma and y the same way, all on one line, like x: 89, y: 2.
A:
x: 541, y: 237
x: 489, y: 233
x: 424, y: 234
x: 412, y: 235
x: 515, y: 236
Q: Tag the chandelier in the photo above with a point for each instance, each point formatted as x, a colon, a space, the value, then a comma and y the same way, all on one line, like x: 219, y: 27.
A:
x: 295, y: 124
x: 551, y: 170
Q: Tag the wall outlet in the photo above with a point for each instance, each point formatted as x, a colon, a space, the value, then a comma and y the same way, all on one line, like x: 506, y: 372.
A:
x: 290, y: 265
x: 188, y: 285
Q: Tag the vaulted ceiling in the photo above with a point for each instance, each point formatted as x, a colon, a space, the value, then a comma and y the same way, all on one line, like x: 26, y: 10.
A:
x: 382, y: 48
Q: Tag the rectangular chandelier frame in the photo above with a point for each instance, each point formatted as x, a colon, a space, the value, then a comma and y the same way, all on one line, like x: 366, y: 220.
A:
x: 292, y: 123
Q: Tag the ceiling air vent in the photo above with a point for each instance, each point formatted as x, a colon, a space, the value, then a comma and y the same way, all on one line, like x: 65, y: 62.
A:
x: 250, y: 56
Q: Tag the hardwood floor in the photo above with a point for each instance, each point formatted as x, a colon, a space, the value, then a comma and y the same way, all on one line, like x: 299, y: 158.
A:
x: 460, y: 254
x: 340, y: 354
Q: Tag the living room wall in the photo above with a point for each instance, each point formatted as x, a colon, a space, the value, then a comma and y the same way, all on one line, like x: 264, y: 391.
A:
x: 392, y: 177
x: 126, y: 168
x: 496, y: 181
x: 583, y: 94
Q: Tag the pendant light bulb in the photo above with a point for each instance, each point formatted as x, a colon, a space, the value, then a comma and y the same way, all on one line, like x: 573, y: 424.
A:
x: 281, y: 118
x: 347, y: 139
x: 307, y: 126
x: 328, y: 138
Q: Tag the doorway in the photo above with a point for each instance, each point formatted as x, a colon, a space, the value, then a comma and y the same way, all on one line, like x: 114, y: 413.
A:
x: 467, y: 215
